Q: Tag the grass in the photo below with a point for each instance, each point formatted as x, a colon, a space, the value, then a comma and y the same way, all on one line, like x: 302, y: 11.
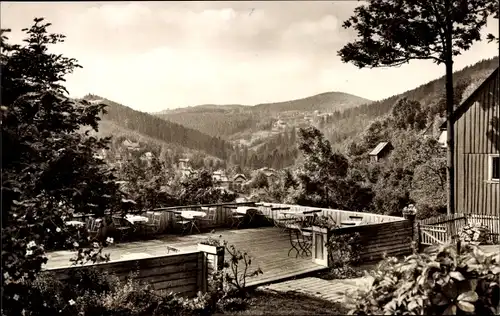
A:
x: 270, y: 303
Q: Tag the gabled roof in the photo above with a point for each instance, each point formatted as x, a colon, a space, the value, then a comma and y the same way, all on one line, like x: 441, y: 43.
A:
x: 239, y: 175
x: 378, y: 148
x: 462, y: 108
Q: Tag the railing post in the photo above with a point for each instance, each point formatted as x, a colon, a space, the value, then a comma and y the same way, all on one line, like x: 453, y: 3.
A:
x: 213, y: 261
x: 319, y: 247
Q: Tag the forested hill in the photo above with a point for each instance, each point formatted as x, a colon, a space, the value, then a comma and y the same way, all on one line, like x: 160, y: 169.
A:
x: 227, y: 120
x: 168, y: 132
x: 344, y: 125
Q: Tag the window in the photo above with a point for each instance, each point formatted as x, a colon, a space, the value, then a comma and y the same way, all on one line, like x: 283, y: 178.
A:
x: 494, y: 168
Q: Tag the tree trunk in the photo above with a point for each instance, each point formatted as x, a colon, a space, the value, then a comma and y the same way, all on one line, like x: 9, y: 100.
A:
x: 449, y: 113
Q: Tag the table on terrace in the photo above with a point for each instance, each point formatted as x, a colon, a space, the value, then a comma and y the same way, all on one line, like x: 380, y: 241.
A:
x: 75, y: 223
x: 136, y: 218
x: 248, y: 211
x: 189, y: 219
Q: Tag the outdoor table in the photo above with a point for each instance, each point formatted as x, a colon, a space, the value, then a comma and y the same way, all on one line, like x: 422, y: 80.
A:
x: 136, y: 219
x: 191, y: 216
x: 306, y: 217
x: 248, y: 211
x: 75, y: 223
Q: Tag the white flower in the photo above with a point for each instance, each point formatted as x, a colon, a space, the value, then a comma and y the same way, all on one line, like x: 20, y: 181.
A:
x: 96, y: 245
x: 31, y: 244
x: 29, y: 252
x: 58, y: 230
x: 71, y: 302
x: 45, y: 304
x: 75, y: 244
x: 48, y: 230
x: 109, y: 240
x: 6, y: 275
x: 16, y: 297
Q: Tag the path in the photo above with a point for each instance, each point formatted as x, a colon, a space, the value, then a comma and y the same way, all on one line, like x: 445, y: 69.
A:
x: 331, y: 290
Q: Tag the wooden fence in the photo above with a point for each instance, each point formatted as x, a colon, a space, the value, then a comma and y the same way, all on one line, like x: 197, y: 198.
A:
x: 445, y: 228
x: 390, y: 238
x: 337, y: 215
x: 183, y: 273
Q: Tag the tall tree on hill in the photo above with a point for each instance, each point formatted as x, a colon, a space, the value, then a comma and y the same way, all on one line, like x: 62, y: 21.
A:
x: 393, y: 32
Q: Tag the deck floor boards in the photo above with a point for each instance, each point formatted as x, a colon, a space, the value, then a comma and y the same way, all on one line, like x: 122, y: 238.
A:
x: 268, y: 248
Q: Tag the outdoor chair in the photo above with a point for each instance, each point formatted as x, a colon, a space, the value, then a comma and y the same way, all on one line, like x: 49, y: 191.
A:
x: 300, y: 240
x: 94, y: 227
x: 122, y: 227
x: 237, y: 219
x: 211, y: 217
x: 185, y: 224
x: 154, y: 220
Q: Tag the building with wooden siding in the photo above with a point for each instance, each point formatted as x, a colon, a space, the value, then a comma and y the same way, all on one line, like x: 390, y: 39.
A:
x: 477, y: 147
x: 380, y: 151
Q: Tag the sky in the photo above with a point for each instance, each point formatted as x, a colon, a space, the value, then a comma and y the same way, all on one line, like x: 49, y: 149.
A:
x: 154, y: 56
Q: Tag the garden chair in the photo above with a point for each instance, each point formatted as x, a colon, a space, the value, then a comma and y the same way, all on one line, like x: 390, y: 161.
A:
x: 300, y: 240
x: 122, y: 226
x: 237, y: 219
x: 211, y: 217
x: 185, y: 224
x: 154, y: 221
x: 94, y: 227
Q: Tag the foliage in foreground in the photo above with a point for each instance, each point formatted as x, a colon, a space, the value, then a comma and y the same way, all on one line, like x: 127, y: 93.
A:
x: 50, y: 170
x: 92, y: 292
x: 440, y: 281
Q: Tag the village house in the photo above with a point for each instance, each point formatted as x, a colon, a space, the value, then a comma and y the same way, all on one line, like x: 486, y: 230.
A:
x: 477, y: 147
x: 185, y: 169
x: 380, y: 151
x: 131, y: 145
x: 220, y: 177
x: 238, y: 181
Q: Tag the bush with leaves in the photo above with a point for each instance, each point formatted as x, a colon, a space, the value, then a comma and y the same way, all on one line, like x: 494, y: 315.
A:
x: 92, y: 292
x: 440, y: 281
x: 475, y: 233
x: 343, y: 253
x: 227, y: 287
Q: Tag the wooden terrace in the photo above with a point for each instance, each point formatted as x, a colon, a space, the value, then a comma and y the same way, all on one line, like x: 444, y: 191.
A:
x: 267, y: 246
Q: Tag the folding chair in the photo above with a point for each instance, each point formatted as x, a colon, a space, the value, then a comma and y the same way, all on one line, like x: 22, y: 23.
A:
x: 211, y: 215
x: 185, y: 224
x: 300, y: 241
x: 121, y: 226
x: 154, y: 220
x: 94, y: 226
x: 237, y: 219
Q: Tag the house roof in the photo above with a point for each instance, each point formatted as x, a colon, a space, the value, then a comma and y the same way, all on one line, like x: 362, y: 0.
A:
x: 128, y: 143
x: 239, y: 175
x: 462, y: 108
x: 378, y: 148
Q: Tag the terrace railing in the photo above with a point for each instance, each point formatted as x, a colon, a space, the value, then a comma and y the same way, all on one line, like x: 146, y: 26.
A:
x: 273, y: 211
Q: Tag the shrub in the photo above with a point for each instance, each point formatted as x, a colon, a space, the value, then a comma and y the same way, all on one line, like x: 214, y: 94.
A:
x: 344, y: 249
x: 89, y: 292
x: 344, y: 252
x: 475, y: 233
x: 436, y: 282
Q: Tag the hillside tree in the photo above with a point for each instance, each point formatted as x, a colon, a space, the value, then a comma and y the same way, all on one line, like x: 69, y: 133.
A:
x: 393, y: 32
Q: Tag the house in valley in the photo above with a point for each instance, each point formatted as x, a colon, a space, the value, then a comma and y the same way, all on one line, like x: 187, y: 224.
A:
x: 239, y: 180
x: 477, y: 148
x: 131, y: 145
x: 185, y: 169
x: 220, y: 177
x: 380, y: 151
